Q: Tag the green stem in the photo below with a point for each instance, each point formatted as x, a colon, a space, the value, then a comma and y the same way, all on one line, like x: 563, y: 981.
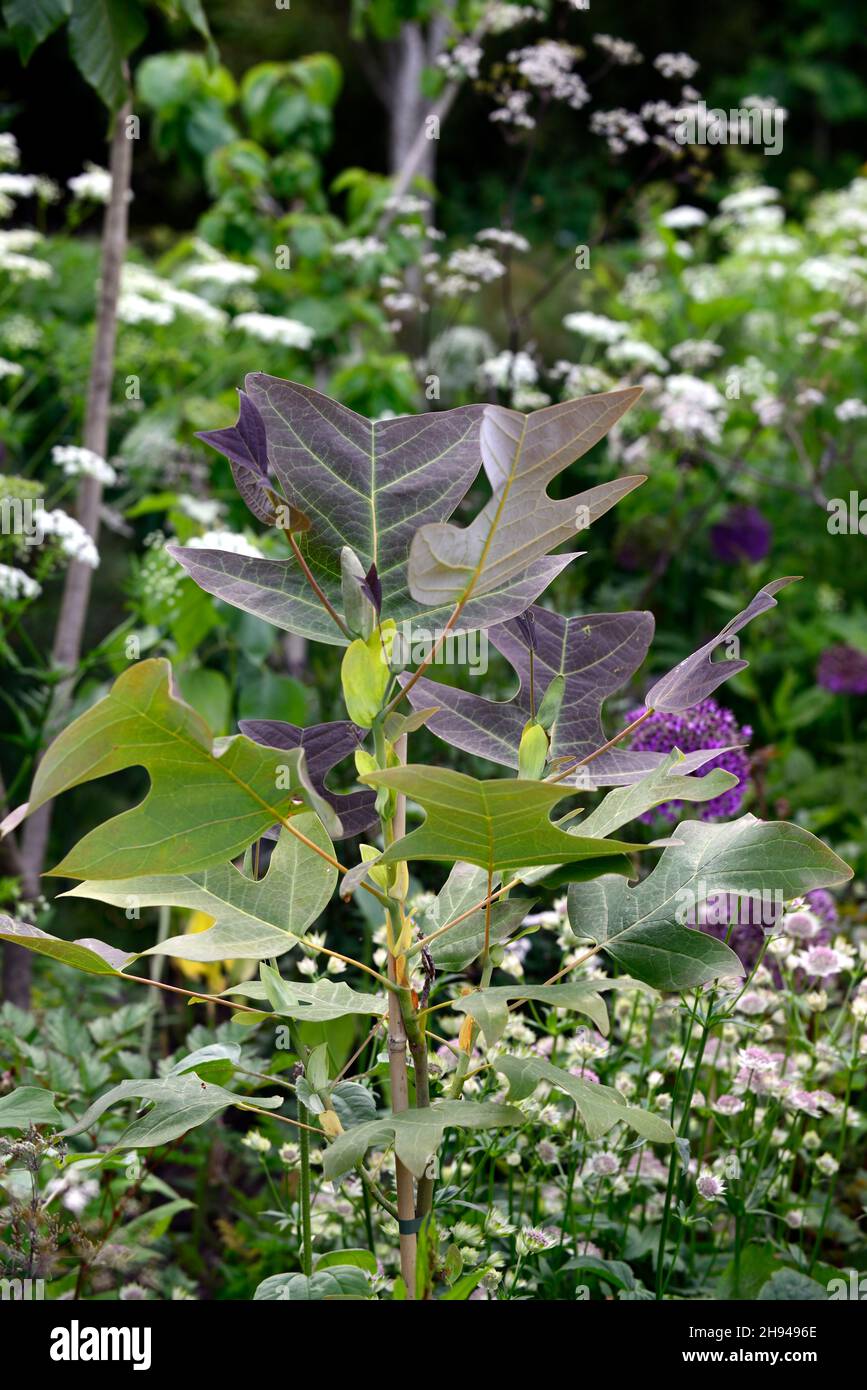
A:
x: 304, y: 1195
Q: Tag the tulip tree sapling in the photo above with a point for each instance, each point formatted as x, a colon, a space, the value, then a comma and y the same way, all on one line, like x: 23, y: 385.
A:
x: 366, y: 509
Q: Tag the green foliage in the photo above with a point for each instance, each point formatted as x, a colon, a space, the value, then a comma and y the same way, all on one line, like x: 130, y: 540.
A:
x: 206, y: 802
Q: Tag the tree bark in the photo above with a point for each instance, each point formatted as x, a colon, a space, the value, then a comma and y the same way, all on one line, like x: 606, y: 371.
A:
x: 68, y: 634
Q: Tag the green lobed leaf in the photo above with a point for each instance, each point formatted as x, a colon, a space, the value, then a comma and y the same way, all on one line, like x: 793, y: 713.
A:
x: 254, y: 919
x: 600, y: 1107
x: 29, y: 1105
x: 490, y: 1007
x: 102, y: 34
x: 88, y: 954
x: 336, y: 1281
x: 627, y: 803
x: 207, y: 801
x: 180, y: 1103
x: 416, y: 1134
x: 643, y: 928
x: 31, y: 21
x: 319, y: 1002
x: 497, y: 824
x: 457, y: 948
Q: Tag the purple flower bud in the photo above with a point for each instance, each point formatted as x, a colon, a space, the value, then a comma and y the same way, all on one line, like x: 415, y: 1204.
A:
x: 742, y: 535
x: 843, y: 670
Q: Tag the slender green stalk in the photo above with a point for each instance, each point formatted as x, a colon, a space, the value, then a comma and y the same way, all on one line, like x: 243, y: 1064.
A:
x: 304, y: 1195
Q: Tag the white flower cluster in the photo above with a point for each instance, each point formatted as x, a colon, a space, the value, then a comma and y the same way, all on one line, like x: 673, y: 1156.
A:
x: 581, y: 379
x: 220, y: 271
x: 547, y: 67
x: 620, y: 128
x: 225, y: 540
x: 271, y: 328
x: 17, y: 265
x: 359, y: 248
x: 204, y: 510
x: 502, y: 236
x: 10, y: 155
x: 401, y: 302
x: 695, y: 353
x: 8, y: 368
x: 16, y: 584
x: 691, y: 408
x: 596, y: 327
x: 509, y: 369
x: 91, y: 186
x: 500, y: 17
x: 620, y: 51
x: 843, y: 275
x: 18, y: 185
x: 407, y: 205
x: 20, y: 332
x: 746, y: 200
x: 467, y: 269
x: 77, y: 462
x: 73, y: 539
x: 149, y: 298
x: 513, y: 109
x: 634, y: 352
x: 851, y: 409
x: 683, y: 218
x: 462, y: 61
x: 676, y: 65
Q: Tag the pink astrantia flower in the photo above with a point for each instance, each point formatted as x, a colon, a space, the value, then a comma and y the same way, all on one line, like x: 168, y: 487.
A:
x: 756, y: 1059
x: 709, y: 1185
x: 585, y: 1074
x: 802, y: 925
x: 605, y: 1164
x: 821, y: 961
x: 729, y: 1105
x: 805, y: 1101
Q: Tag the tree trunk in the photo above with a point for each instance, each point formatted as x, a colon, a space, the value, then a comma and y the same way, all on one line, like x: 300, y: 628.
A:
x: 66, y: 650
x: 407, y: 105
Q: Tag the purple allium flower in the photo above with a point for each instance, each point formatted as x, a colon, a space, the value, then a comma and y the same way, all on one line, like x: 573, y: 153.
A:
x: 743, y: 534
x: 706, y: 725
x: 843, y: 670
x: 824, y: 906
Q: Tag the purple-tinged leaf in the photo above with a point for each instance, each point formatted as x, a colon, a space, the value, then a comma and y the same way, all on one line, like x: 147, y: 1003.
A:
x: 245, y: 446
x: 696, y: 677
x: 371, y: 587
x: 359, y: 483
x: 527, y: 627
x: 366, y: 484
x: 325, y: 745
x: 597, y: 654
x: 520, y: 524
x: 277, y: 591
